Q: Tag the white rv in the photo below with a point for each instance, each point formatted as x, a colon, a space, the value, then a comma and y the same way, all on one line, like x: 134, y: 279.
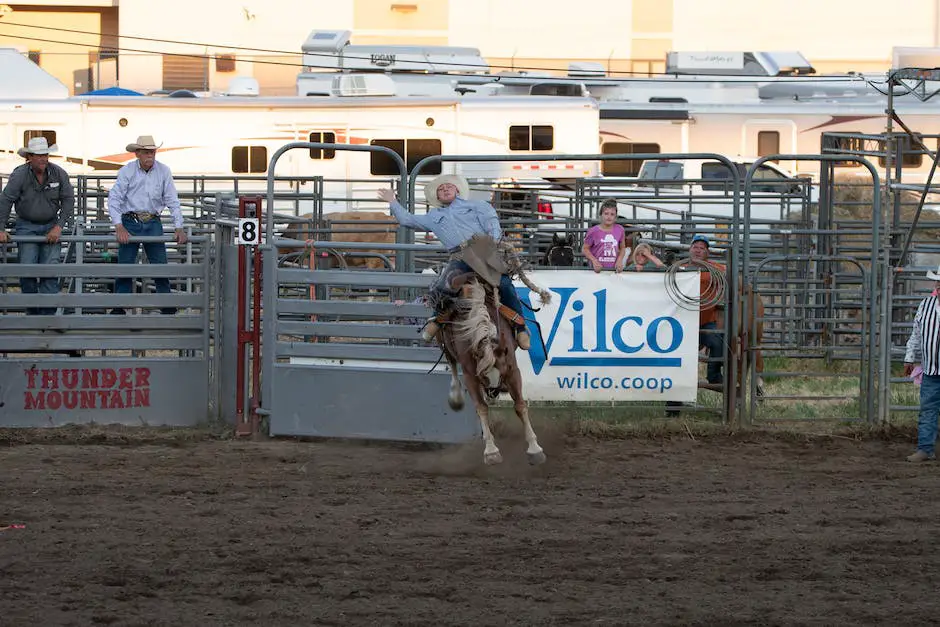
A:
x: 234, y: 136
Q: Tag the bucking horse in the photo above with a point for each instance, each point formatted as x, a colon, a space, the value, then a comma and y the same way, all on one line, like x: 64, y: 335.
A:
x: 477, y: 334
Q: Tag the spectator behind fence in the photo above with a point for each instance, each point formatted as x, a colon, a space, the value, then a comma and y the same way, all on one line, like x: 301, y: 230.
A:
x: 142, y: 189
x: 605, y: 243
x: 923, y: 347
x: 45, y: 204
x: 644, y: 259
x: 708, y: 316
x: 708, y: 335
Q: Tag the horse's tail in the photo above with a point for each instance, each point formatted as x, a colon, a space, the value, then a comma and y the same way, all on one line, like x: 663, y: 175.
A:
x: 544, y: 295
x: 476, y: 329
x: 515, y: 266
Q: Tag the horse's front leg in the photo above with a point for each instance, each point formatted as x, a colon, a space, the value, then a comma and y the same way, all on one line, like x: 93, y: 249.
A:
x: 491, y: 454
x: 455, y: 397
x: 534, y: 452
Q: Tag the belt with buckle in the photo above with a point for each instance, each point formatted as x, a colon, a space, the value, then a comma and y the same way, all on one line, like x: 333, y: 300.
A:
x: 142, y: 215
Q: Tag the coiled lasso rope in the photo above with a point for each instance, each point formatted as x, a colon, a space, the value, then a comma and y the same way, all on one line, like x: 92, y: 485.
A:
x: 713, y: 291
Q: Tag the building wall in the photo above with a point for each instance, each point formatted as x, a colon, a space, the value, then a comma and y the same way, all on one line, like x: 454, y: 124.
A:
x: 211, y: 27
x: 65, y: 55
x: 827, y: 32
x: 623, y: 36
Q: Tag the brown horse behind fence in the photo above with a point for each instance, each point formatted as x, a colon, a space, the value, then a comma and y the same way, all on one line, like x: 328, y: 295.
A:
x: 348, y: 226
x: 755, y: 322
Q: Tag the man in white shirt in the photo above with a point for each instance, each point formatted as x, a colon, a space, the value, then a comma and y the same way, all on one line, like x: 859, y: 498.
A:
x: 923, y: 347
x: 142, y: 189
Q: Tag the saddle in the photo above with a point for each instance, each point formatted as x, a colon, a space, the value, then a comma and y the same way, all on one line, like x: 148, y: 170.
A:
x: 459, y: 285
x: 482, y: 254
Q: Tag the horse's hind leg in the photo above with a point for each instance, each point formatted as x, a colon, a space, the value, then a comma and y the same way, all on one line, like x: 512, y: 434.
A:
x: 491, y: 454
x: 534, y: 452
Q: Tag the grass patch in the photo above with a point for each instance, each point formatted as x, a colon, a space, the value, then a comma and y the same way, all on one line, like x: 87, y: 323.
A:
x: 115, y: 435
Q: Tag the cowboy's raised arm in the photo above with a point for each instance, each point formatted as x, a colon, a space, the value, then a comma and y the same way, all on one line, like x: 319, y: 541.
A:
x: 402, y: 215
x: 490, y: 220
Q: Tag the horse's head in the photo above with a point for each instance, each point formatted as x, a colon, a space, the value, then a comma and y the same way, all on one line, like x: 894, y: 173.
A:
x: 561, y: 251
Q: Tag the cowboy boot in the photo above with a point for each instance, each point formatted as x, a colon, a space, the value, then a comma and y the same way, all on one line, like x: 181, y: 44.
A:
x: 431, y: 329
x: 522, y: 339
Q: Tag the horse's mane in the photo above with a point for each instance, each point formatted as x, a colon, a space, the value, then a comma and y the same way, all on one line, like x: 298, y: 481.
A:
x: 474, y: 327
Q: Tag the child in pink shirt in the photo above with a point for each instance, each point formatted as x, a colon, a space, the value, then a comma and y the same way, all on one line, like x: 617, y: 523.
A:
x: 605, y: 243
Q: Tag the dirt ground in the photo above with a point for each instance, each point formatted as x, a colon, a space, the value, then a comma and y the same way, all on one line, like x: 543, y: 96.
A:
x: 713, y: 531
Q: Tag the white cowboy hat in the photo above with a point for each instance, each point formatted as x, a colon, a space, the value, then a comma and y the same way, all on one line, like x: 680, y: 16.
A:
x: 430, y: 189
x: 144, y: 142
x: 934, y: 276
x: 37, y: 146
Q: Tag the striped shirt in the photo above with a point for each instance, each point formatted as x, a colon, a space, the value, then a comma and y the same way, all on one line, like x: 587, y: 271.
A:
x: 924, y: 344
x: 454, y: 224
x: 139, y: 191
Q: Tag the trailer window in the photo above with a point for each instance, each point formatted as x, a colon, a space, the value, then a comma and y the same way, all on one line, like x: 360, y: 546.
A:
x: 418, y: 149
x: 868, y: 146
x: 771, y: 181
x: 768, y: 143
x: 410, y: 150
x: 531, y: 137
x: 718, y: 172
x: 322, y: 138
x: 832, y: 144
x: 249, y: 159
x: 908, y: 160
x: 625, y: 167
x: 28, y: 135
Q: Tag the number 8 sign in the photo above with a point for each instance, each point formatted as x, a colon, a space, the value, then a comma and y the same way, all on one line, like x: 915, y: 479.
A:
x: 249, y: 232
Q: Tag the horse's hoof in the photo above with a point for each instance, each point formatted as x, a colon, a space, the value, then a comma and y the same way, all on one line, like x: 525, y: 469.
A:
x: 536, y: 458
x: 455, y: 403
x: 492, y: 458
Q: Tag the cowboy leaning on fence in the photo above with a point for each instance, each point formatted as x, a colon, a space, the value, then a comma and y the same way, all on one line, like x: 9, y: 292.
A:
x: 45, y: 204
x: 454, y: 220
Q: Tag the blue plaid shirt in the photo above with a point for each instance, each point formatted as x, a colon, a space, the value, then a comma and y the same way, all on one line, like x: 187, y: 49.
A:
x: 455, y: 223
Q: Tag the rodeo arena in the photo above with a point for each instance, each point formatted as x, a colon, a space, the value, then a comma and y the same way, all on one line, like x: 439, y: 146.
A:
x: 282, y: 438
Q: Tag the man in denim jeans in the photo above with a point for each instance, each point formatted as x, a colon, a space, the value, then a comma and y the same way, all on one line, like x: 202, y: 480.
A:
x: 142, y: 189
x: 45, y: 204
x: 923, y: 347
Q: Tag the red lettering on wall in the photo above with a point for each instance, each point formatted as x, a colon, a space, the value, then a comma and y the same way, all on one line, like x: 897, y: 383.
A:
x: 143, y: 377
x: 70, y: 399
x: 70, y: 378
x: 90, y: 378
x: 30, y: 378
x: 50, y: 378
x: 108, y: 378
x: 141, y: 398
x: 88, y: 399
x: 88, y: 388
x: 35, y: 401
x: 54, y: 399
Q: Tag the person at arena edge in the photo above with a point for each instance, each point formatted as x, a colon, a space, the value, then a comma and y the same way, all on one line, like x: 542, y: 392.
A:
x: 708, y: 316
x: 605, y: 243
x: 644, y: 259
x: 45, y: 204
x: 923, y: 346
x: 454, y: 219
x: 142, y: 189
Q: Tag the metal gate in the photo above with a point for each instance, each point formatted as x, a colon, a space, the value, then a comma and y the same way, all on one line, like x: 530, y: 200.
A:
x: 807, y: 288
x: 84, y: 365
